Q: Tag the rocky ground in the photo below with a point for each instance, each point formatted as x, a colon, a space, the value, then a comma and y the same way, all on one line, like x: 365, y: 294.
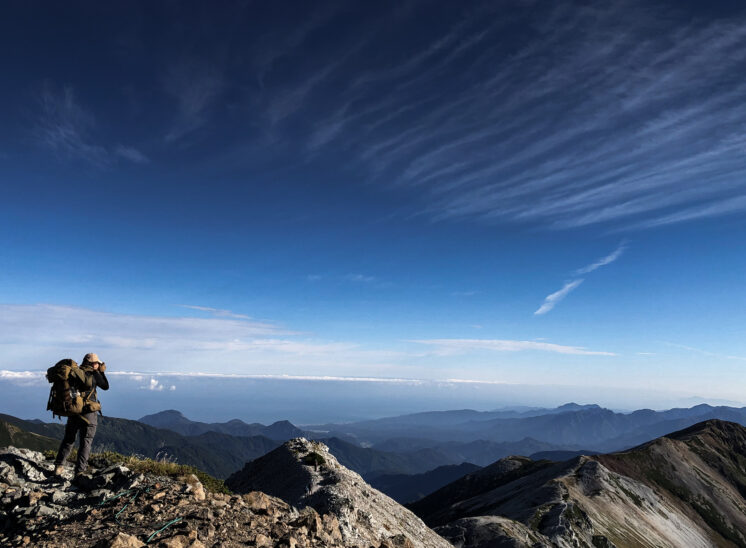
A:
x: 115, y: 507
x: 305, y: 474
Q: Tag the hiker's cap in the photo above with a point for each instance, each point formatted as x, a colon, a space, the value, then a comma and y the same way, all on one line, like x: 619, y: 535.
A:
x: 91, y: 358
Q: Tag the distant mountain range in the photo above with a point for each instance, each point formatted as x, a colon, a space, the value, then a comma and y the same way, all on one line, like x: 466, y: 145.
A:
x: 479, y: 452
x: 175, y: 421
x: 216, y: 453
x: 569, y: 427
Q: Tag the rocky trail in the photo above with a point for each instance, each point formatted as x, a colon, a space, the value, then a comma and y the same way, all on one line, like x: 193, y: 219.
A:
x: 115, y: 507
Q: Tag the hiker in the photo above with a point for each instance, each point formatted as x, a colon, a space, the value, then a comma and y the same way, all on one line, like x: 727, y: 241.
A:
x: 85, y: 423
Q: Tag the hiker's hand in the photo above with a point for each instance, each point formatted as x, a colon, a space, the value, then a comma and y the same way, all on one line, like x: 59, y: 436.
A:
x: 102, y: 367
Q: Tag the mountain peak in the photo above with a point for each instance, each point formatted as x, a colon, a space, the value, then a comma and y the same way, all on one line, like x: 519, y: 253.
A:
x: 283, y: 423
x: 166, y: 415
x: 712, y: 433
x: 304, y: 473
x: 572, y: 406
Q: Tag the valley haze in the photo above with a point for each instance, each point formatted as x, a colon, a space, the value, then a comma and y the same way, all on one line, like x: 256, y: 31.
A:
x: 304, y: 401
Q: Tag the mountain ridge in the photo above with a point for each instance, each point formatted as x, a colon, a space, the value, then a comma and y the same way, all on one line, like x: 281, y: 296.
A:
x: 683, y: 489
x: 174, y: 420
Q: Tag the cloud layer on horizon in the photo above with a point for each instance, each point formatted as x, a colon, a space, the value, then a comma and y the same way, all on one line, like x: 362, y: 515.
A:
x: 231, y: 344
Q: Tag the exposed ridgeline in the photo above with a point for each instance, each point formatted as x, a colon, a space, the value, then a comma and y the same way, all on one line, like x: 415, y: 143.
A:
x: 175, y: 421
x: 684, y: 489
x: 304, y: 473
x: 117, y: 507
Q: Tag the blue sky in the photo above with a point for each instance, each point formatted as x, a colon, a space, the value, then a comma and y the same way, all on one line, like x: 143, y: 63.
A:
x: 507, y: 192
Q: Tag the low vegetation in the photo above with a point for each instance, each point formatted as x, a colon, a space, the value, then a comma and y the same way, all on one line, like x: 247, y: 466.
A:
x: 150, y: 466
x: 313, y: 459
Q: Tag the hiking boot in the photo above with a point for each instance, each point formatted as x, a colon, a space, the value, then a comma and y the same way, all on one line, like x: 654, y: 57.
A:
x: 59, y: 470
x: 83, y: 481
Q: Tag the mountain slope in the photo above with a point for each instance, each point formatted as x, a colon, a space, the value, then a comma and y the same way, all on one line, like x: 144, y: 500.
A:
x: 371, y: 463
x: 685, y: 489
x: 405, y: 488
x: 480, y: 452
x: 13, y: 435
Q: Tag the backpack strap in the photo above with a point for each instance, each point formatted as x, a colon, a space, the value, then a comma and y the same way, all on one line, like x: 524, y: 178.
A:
x: 92, y: 392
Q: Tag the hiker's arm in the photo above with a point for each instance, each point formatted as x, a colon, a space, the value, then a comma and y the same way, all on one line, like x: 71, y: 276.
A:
x: 101, y: 381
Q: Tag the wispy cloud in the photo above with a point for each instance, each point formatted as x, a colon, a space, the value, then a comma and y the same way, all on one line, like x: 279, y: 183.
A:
x: 195, y: 85
x: 67, y: 129
x: 360, y: 278
x: 352, y: 277
x: 610, y: 258
x: 220, y: 313
x: 706, y: 352
x: 616, y: 115
x: 459, y: 346
x: 553, y: 298
x: 156, y: 379
x: 225, y: 340
x: 64, y: 127
x: 131, y: 154
x: 45, y: 324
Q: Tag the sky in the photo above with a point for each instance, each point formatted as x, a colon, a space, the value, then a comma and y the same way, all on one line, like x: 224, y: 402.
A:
x: 347, y: 195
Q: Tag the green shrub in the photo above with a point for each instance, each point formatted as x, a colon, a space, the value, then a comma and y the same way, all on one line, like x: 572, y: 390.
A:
x: 313, y: 459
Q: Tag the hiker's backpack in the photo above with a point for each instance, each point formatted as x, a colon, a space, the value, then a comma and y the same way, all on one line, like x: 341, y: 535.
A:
x: 70, y: 389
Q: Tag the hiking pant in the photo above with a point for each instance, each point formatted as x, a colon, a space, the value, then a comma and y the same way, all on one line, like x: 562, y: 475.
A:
x: 76, y: 425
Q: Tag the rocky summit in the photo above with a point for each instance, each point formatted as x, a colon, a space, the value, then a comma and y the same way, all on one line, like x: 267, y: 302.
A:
x: 118, y: 508
x: 306, y: 475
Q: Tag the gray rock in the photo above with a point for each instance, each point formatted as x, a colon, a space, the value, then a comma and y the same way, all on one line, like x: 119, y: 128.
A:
x: 27, y: 464
x: 43, y: 510
x: 60, y: 497
x: 304, y: 473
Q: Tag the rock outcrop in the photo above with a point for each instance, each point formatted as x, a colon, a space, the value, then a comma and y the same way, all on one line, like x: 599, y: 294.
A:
x: 306, y: 475
x: 115, y: 507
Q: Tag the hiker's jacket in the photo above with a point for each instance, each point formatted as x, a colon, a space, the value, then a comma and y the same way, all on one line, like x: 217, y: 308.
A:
x: 97, y: 380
